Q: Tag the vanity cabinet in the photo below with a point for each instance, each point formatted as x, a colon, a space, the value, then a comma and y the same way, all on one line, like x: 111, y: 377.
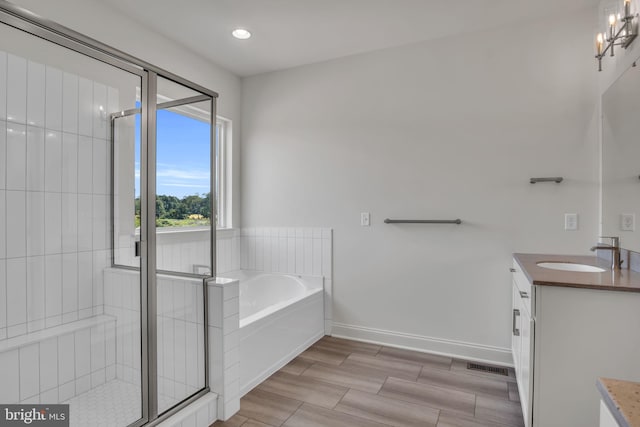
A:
x: 563, y: 338
x: 606, y: 417
x: 522, y: 327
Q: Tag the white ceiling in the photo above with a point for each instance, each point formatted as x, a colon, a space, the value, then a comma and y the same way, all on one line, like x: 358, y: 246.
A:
x: 289, y: 33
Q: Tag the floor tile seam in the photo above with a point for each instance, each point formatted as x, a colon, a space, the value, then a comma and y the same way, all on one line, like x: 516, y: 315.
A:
x: 387, y: 372
x: 360, y: 376
x: 281, y: 395
x: 342, y: 397
x: 466, y: 390
x: 504, y: 423
x: 412, y: 362
x: 391, y: 401
x: 484, y: 420
x: 404, y: 362
x: 304, y: 401
x: 436, y: 386
x: 362, y: 418
x: 398, y: 399
x: 276, y: 395
x: 292, y: 413
x: 351, y: 415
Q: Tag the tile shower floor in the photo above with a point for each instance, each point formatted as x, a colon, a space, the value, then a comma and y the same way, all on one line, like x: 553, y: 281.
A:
x: 342, y: 383
x: 114, y: 404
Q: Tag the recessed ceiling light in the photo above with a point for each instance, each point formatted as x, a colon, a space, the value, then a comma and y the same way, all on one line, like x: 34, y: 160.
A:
x: 241, y: 33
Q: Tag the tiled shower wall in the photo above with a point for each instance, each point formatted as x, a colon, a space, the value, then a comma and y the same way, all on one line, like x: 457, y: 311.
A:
x: 183, y: 250
x: 54, y: 195
x: 180, y: 321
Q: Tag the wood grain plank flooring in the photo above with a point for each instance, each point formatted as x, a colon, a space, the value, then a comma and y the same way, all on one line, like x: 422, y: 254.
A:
x: 314, y: 416
x: 267, y: 407
x: 343, y: 383
x: 383, y: 368
x: 454, y: 401
x: 433, y: 360
x: 307, y: 389
x: 297, y: 366
x: 464, y: 382
x: 514, y: 395
x: 387, y: 411
x: 345, y: 377
x: 236, y: 421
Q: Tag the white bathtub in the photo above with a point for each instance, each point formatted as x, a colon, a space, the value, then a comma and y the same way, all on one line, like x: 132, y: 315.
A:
x: 280, y: 316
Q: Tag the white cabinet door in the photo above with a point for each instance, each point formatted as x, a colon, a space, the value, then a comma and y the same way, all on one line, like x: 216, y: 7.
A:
x: 516, y: 341
x: 606, y: 419
x: 525, y: 380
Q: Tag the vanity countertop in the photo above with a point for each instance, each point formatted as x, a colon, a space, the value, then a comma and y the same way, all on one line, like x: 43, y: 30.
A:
x: 623, y: 399
x: 621, y: 280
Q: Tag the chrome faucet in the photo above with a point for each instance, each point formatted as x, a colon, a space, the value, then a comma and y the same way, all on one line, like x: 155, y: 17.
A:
x: 614, y: 248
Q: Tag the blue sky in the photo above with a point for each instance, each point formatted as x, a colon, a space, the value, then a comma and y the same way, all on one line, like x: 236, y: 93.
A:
x: 183, y: 155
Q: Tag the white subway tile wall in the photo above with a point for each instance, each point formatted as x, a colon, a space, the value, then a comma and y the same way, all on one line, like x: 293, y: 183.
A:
x: 224, y: 358
x: 54, y: 195
x: 300, y: 251
x: 180, y: 332
x: 57, y: 363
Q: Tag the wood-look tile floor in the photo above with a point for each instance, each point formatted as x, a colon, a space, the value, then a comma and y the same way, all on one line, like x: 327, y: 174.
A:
x: 343, y: 383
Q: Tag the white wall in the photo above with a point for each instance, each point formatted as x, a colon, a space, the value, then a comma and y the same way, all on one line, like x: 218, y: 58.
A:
x: 442, y: 129
x: 96, y: 20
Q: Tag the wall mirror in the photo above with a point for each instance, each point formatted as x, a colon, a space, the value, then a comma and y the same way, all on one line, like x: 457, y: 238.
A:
x: 621, y: 159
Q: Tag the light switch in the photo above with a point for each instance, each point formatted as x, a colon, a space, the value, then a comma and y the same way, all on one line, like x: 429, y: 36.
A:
x: 365, y: 219
x: 571, y: 221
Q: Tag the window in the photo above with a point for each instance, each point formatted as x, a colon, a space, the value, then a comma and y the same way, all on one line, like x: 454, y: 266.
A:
x: 183, y: 186
x: 223, y: 173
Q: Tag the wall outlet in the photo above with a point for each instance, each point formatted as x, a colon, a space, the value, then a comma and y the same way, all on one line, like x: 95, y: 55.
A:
x: 627, y: 222
x: 365, y: 219
x: 571, y: 221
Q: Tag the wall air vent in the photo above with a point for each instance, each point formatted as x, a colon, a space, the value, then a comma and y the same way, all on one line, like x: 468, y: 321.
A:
x: 489, y: 369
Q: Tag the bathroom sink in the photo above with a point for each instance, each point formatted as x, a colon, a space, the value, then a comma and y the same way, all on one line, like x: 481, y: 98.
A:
x: 568, y: 266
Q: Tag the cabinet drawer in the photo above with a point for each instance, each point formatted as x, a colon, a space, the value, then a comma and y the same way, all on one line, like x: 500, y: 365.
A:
x: 523, y: 285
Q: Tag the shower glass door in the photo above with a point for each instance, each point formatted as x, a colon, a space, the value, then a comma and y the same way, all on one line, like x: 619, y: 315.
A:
x: 184, y: 218
x: 107, y: 228
x: 70, y: 322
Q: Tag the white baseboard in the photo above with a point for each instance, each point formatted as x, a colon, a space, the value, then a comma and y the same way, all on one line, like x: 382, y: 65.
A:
x: 459, y: 349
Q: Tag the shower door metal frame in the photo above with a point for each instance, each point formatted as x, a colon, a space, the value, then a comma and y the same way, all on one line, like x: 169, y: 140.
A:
x: 22, y: 19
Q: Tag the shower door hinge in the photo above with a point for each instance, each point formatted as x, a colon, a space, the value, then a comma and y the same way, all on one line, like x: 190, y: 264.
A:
x: 138, y: 249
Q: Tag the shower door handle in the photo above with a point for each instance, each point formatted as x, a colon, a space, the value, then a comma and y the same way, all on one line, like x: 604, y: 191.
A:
x: 138, y: 248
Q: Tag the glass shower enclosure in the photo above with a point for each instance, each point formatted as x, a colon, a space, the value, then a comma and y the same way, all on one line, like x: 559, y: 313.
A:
x: 100, y: 157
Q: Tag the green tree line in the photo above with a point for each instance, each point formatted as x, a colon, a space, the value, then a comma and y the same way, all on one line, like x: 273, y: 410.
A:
x: 174, y: 212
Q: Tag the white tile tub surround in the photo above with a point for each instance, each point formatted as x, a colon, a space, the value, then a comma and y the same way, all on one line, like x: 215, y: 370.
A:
x: 54, y: 197
x: 184, y: 249
x: 224, y: 357
x: 299, y: 251
x: 57, y: 363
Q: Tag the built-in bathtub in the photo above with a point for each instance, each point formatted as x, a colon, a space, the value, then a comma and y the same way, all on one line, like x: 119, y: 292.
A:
x: 280, y: 316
